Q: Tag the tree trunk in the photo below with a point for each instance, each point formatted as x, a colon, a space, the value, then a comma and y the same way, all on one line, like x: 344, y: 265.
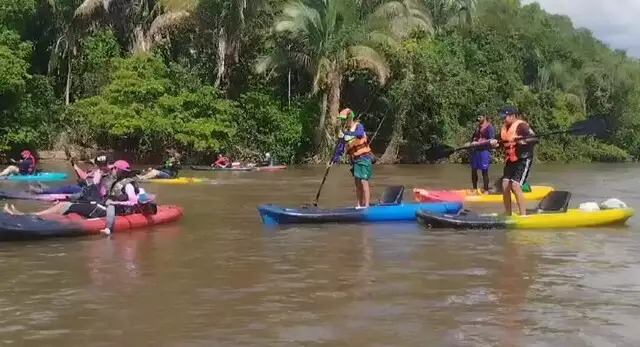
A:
x: 318, y: 134
x: 139, y: 40
x: 222, y: 55
x: 67, y: 90
x: 390, y: 155
x: 335, y: 84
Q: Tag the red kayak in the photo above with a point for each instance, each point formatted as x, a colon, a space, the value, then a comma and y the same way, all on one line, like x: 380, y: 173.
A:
x: 30, y: 227
x: 270, y: 168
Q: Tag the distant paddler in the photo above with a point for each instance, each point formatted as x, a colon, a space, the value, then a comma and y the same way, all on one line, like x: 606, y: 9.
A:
x: 355, y: 143
x: 480, y: 158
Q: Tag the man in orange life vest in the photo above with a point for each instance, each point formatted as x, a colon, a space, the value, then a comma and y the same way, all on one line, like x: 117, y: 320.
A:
x: 518, y: 148
x: 354, y: 141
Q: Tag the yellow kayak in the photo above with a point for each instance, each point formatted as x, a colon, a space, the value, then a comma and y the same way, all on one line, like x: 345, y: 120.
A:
x: 572, y: 218
x: 537, y: 193
x: 179, y: 180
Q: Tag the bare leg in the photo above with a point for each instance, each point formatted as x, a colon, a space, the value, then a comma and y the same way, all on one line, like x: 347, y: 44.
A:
x: 59, y: 208
x: 522, y: 203
x: 153, y: 173
x: 359, y: 192
x: 506, y: 196
x: 366, y: 193
x: 10, y: 170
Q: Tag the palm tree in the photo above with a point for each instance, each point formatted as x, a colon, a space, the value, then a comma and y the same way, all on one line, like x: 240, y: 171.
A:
x: 333, y: 37
x: 445, y: 14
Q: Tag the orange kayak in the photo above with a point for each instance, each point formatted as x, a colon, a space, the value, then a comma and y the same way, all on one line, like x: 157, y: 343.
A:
x: 537, y: 193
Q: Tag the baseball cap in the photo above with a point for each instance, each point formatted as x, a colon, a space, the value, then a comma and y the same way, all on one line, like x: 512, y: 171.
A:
x: 508, y: 110
x: 347, y: 112
x: 100, y: 160
x: 121, y: 165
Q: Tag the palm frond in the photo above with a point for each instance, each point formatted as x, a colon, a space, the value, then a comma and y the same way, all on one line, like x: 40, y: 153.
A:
x: 166, y: 21
x: 91, y: 8
x: 364, y: 57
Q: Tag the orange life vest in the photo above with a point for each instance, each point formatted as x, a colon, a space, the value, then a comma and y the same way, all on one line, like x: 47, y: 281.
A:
x: 508, y: 136
x: 356, y: 147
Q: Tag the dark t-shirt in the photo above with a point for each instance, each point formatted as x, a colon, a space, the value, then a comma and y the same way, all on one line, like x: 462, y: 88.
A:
x: 24, y: 166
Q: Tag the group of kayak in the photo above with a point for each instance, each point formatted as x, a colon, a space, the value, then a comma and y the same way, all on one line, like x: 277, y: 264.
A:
x: 443, y: 209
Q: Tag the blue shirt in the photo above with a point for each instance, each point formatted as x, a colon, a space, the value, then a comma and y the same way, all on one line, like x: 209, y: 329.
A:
x: 358, y: 133
x: 487, y: 133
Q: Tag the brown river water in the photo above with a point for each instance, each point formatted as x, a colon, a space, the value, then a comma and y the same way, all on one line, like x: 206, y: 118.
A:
x: 220, y: 278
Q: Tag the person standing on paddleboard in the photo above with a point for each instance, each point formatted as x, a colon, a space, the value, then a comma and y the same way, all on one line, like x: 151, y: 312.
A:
x: 518, y: 148
x: 355, y: 143
x: 480, y: 159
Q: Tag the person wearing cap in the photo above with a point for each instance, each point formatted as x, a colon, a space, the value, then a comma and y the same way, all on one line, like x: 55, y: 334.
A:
x: 480, y: 158
x: 222, y: 162
x: 518, y: 148
x: 26, y: 165
x: 85, y: 178
x: 122, y: 193
x: 168, y: 169
x: 355, y: 143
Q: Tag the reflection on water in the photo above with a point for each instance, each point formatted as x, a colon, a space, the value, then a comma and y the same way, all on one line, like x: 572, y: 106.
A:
x: 220, y: 278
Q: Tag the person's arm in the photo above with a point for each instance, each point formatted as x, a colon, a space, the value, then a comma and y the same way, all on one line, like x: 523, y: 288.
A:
x: 81, y: 173
x: 132, y: 197
x: 524, y: 131
x: 97, y: 177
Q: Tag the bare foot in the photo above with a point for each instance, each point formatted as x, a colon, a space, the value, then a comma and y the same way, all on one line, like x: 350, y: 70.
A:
x: 7, y: 209
x: 15, y: 211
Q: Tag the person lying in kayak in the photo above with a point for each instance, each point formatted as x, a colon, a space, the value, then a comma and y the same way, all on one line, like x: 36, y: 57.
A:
x: 26, y: 165
x: 169, y: 169
x: 118, y: 189
x: 518, y: 148
x: 85, y: 178
x: 354, y: 142
x: 222, y: 162
x: 480, y: 159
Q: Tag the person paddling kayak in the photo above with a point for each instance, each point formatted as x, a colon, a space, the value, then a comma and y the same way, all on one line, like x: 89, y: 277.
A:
x: 355, y: 143
x: 222, y: 162
x: 518, y: 151
x: 480, y: 159
x: 26, y: 166
x: 85, y: 178
x: 169, y: 169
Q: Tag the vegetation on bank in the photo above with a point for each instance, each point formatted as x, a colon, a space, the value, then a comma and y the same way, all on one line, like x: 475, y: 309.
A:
x: 250, y: 76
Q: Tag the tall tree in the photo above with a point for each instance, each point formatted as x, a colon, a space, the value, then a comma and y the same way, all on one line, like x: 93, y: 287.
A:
x: 334, y: 36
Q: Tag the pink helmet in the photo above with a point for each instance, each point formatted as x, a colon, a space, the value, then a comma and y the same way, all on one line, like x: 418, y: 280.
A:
x: 121, y: 165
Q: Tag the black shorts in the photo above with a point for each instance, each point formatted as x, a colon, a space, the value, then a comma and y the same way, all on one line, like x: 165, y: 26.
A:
x: 517, y: 171
x: 87, y: 210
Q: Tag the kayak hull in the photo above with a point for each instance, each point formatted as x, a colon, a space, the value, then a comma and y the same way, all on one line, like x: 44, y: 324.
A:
x: 244, y: 168
x: 29, y: 227
x: 468, y: 195
x: 272, y: 214
x: 179, y: 180
x: 40, y: 176
x: 572, y: 218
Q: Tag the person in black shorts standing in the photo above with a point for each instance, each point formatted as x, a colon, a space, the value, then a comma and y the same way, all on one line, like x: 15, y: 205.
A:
x: 518, y: 148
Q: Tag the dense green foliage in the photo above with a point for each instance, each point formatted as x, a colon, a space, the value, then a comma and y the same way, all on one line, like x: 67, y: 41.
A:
x: 248, y: 77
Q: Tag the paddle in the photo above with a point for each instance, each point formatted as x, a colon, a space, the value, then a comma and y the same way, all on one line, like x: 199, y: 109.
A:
x: 326, y: 173
x: 590, y: 126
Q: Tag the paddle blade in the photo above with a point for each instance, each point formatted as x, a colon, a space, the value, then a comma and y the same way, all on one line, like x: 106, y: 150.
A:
x: 439, y: 152
x: 591, y: 126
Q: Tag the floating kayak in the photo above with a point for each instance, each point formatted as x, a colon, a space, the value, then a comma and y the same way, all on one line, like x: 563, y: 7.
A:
x: 272, y: 214
x: 469, y: 195
x: 211, y: 168
x: 22, y: 195
x: 179, y: 180
x: 243, y: 168
x: 40, y: 176
x: 27, y: 227
x: 550, y: 214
